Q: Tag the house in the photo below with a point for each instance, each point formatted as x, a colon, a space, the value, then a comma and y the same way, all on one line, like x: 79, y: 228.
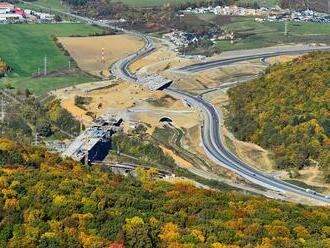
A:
x: 6, y: 8
x: 18, y: 11
x: 11, y: 17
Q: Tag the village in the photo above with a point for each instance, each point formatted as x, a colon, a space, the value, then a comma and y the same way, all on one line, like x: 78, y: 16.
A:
x: 299, y: 16
x: 9, y: 13
x: 264, y: 14
x: 182, y: 39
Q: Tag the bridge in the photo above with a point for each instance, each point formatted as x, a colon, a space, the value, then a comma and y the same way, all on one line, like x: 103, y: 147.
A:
x: 154, y: 82
x: 127, y: 168
x: 94, y: 142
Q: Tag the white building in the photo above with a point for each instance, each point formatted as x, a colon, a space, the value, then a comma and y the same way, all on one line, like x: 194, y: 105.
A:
x: 10, y: 17
x: 5, y: 8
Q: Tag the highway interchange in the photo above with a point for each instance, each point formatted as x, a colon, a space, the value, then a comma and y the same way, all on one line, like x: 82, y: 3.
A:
x: 212, y: 117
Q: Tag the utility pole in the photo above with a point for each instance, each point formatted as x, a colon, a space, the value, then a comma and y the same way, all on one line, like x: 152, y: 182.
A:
x: 2, y: 118
x: 85, y: 140
x: 102, y: 56
x: 81, y: 125
x: 86, y: 151
x: 36, y: 142
x: 286, y: 28
x: 69, y: 64
x: 45, y: 66
x: 102, y: 61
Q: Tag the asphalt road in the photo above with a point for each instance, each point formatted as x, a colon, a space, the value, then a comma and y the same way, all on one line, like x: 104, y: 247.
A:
x: 228, y: 61
x: 120, y: 68
x: 211, y: 137
x: 213, y: 145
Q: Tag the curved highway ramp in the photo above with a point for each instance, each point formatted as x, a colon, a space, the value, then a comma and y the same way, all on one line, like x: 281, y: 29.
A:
x: 272, y: 52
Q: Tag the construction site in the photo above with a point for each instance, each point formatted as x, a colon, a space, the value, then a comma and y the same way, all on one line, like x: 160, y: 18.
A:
x: 94, y: 143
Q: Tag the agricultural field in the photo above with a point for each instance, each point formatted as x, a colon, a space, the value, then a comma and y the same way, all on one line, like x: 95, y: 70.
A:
x: 25, y: 46
x: 60, y: 5
x: 254, y: 35
x: 152, y: 3
x: 51, y: 4
x: 251, y: 34
x: 87, y: 51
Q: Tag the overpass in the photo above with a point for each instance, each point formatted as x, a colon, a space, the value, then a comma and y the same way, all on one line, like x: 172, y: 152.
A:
x: 128, y: 168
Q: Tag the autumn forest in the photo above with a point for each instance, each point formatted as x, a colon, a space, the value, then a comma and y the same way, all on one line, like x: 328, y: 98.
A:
x: 287, y: 111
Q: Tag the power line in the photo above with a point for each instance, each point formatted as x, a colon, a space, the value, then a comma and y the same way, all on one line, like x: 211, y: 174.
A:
x: 36, y: 142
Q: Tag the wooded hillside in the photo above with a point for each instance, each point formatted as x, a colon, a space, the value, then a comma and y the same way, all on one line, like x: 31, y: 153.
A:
x: 3, y: 68
x: 287, y: 111
x: 48, y: 202
x: 319, y: 5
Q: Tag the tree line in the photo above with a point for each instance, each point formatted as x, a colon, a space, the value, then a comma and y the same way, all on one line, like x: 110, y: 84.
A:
x: 51, y: 202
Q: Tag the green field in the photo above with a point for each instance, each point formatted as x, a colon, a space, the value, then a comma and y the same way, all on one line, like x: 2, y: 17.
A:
x: 42, y: 85
x: 254, y: 35
x: 52, y: 4
x: 57, y: 4
x: 152, y: 3
x: 24, y: 47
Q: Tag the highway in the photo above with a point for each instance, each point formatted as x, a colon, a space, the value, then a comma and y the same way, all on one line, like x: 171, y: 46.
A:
x: 214, y: 147
x: 212, y: 117
x: 228, y: 61
x: 211, y: 136
x: 120, y: 68
x: 213, y: 143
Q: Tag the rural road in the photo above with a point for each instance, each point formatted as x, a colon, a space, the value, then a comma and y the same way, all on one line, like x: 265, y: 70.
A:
x: 211, y: 136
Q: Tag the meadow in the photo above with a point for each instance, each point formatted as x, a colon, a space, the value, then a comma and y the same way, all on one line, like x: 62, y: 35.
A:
x: 51, y: 4
x: 254, y: 34
x: 251, y: 34
x: 25, y: 46
x: 153, y: 3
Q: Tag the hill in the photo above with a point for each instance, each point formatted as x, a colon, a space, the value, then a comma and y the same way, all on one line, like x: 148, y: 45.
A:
x: 49, y: 202
x: 319, y: 5
x: 287, y: 111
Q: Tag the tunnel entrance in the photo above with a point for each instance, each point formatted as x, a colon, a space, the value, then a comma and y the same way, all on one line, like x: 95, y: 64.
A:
x: 166, y: 119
